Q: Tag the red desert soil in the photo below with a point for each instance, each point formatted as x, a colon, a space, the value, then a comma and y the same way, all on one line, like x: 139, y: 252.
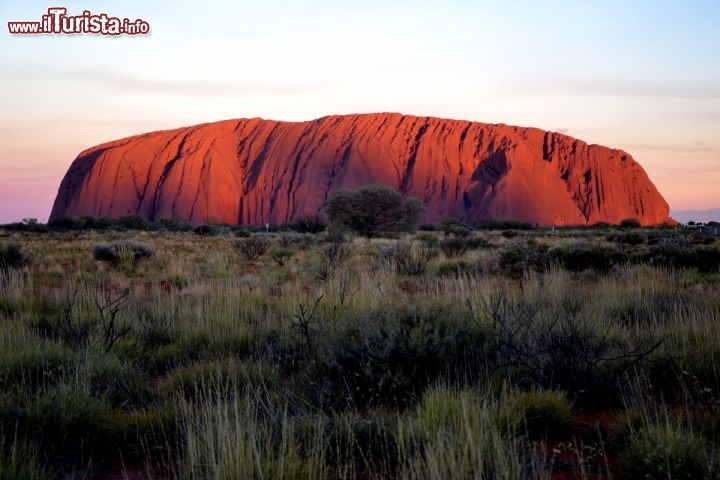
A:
x: 253, y: 171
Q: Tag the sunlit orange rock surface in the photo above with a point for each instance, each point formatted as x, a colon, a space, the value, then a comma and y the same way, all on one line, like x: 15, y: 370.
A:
x: 253, y: 171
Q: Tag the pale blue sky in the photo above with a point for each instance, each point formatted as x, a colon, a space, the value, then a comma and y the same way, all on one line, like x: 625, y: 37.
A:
x: 642, y: 75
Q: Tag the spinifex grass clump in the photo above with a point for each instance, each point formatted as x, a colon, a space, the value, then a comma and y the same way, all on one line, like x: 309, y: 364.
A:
x: 412, y: 259
x: 661, y: 444
x: 123, y: 254
x: 254, y: 246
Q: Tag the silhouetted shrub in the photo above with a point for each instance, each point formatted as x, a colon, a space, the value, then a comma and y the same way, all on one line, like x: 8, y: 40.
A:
x: 427, y: 227
x: 133, y: 222
x: 309, y: 224
x: 67, y: 223
x: 174, y: 225
x: 206, y: 230
x: 629, y: 223
x: 600, y: 225
x: 503, y: 225
x: 13, y: 256
x: 27, y: 225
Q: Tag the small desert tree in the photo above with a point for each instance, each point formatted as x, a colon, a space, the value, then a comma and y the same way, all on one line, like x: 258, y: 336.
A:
x: 373, y: 210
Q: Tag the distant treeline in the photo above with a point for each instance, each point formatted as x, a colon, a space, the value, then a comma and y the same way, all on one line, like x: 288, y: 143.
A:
x: 305, y: 225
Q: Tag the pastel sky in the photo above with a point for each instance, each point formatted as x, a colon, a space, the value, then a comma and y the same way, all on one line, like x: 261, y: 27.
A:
x: 639, y: 75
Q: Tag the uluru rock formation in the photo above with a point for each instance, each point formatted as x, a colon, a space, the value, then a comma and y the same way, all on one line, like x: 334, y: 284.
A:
x: 252, y: 171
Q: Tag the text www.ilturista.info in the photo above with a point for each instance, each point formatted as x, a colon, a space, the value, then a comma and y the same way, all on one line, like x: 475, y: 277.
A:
x: 57, y: 22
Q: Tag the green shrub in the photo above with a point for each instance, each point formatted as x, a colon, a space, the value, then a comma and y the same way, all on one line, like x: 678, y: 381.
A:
x: 522, y: 256
x: 282, y: 255
x: 373, y: 210
x: 454, y: 227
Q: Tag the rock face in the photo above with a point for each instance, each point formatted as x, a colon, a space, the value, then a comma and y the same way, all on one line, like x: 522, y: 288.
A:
x: 253, y: 171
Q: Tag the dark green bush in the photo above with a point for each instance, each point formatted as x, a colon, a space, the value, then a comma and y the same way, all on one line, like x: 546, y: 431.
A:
x: 631, y: 238
x: 454, y: 227
x: 522, y: 256
x: 391, y: 360
x: 705, y: 259
x: 588, y: 257
x: 174, y: 225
